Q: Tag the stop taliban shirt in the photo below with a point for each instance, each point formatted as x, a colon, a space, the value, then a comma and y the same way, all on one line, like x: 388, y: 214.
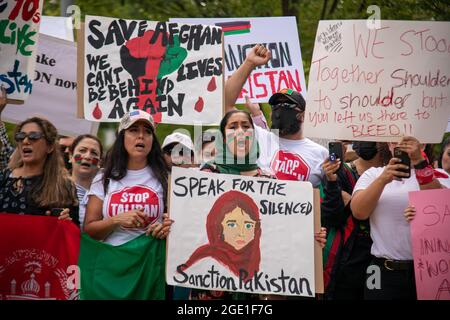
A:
x: 138, y: 190
x: 298, y: 160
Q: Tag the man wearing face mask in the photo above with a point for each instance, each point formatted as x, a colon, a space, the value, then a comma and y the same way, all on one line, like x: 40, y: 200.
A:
x: 289, y: 156
x: 347, y: 253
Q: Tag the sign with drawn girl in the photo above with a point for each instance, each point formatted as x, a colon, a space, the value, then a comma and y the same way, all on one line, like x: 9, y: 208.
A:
x: 241, y: 234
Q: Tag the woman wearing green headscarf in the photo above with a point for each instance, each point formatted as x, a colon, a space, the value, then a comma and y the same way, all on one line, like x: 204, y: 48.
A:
x: 238, y: 150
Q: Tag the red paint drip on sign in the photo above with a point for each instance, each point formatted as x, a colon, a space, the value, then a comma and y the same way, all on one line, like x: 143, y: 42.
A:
x: 199, y: 105
x: 97, y: 112
x: 212, y: 84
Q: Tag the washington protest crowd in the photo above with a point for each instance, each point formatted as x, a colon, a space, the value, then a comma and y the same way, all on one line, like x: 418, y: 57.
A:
x: 115, y: 213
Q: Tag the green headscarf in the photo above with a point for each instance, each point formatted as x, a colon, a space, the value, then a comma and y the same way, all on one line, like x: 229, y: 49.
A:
x: 226, y: 162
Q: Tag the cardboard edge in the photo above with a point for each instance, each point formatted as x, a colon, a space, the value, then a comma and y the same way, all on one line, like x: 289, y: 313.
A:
x: 14, y: 101
x: 223, y: 76
x: 318, y: 259
x: 169, y: 187
x: 80, y: 71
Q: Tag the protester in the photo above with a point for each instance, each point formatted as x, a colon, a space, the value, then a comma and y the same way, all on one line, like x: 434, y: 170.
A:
x: 178, y: 150
x: 205, y: 147
x: 237, y: 153
x: 347, y: 252
x: 36, y: 182
x: 381, y: 194
x: 64, y: 143
x: 85, y: 153
x: 126, y: 203
x: 290, y: 156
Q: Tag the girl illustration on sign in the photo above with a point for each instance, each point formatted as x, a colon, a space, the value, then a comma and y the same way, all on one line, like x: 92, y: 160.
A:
x: 234, y: 231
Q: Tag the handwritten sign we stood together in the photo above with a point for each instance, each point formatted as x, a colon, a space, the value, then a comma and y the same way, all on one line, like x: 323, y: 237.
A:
x: 19, y: 27
x: 431, y: 243
x: 237, y: 233
x: 379, y: 84
x: 172, y: 71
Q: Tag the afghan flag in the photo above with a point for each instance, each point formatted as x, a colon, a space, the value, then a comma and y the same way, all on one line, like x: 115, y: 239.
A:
x: 134, y: 270
x: 38, y: 258
x: 234, y: 27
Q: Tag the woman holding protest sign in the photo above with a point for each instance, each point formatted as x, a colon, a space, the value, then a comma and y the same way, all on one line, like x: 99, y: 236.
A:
x: 126, y: 203
x: 36, y: 181
x: 85, y: 152
x: 236, y: 153
x: 381, y: 194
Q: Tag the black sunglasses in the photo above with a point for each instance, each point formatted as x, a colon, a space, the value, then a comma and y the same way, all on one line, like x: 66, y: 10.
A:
x: 32, y: 136
x: 286, y: 105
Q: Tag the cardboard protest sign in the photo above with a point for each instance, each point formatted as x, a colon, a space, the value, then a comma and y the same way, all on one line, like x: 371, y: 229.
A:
x: 240, y: 233
x: 284, y: 70
x: 54, y: 94
x: 379, y: 84
x: 58, y: 27
x: 19, y: 27
x: 431, y: 243
x: 172, y: 71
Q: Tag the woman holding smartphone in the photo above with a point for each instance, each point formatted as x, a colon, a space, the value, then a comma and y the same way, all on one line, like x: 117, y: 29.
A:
x: 381, y: 194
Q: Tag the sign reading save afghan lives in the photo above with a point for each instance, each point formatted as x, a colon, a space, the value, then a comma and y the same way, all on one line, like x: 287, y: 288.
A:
x: 277, y: 34
x: 241, y: 233
x: 19, y: 27
x: 379, y: 84
x: 431, y: 243
x: 172, y: 71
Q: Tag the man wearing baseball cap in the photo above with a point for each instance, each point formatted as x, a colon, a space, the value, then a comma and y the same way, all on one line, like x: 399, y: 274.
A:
x: 289, y: 156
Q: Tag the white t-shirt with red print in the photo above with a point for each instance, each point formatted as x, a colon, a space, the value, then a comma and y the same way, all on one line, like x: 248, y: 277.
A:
x: 139, y: 189
x: 389, y: 230
x: 287, y: 159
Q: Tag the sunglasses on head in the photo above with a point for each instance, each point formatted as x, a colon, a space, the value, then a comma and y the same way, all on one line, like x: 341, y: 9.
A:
x: 32, y: 136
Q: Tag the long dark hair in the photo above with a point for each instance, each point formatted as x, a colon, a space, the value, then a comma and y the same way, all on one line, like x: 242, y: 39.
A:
x: 117, y: 161
x: 227, y: 116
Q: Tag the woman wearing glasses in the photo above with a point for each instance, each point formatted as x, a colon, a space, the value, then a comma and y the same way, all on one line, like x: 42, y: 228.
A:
x: 36, y: 182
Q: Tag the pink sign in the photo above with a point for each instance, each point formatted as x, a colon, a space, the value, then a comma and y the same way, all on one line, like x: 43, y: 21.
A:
x: 430, y: 233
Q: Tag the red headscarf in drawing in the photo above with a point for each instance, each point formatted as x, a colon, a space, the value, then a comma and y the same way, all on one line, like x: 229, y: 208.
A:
x: 248, y: 257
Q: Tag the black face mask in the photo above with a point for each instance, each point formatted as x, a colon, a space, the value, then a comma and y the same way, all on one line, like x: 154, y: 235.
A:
x: 285, y: 120
x: 365, y: 149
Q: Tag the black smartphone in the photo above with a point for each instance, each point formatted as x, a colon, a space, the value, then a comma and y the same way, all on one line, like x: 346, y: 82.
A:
x: 336, y: 152
x: 403, y: 156
x: 56, y: 212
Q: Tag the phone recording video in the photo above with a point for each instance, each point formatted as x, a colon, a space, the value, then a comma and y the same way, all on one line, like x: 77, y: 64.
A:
x: 404, y: 157
x: 336, y: 151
